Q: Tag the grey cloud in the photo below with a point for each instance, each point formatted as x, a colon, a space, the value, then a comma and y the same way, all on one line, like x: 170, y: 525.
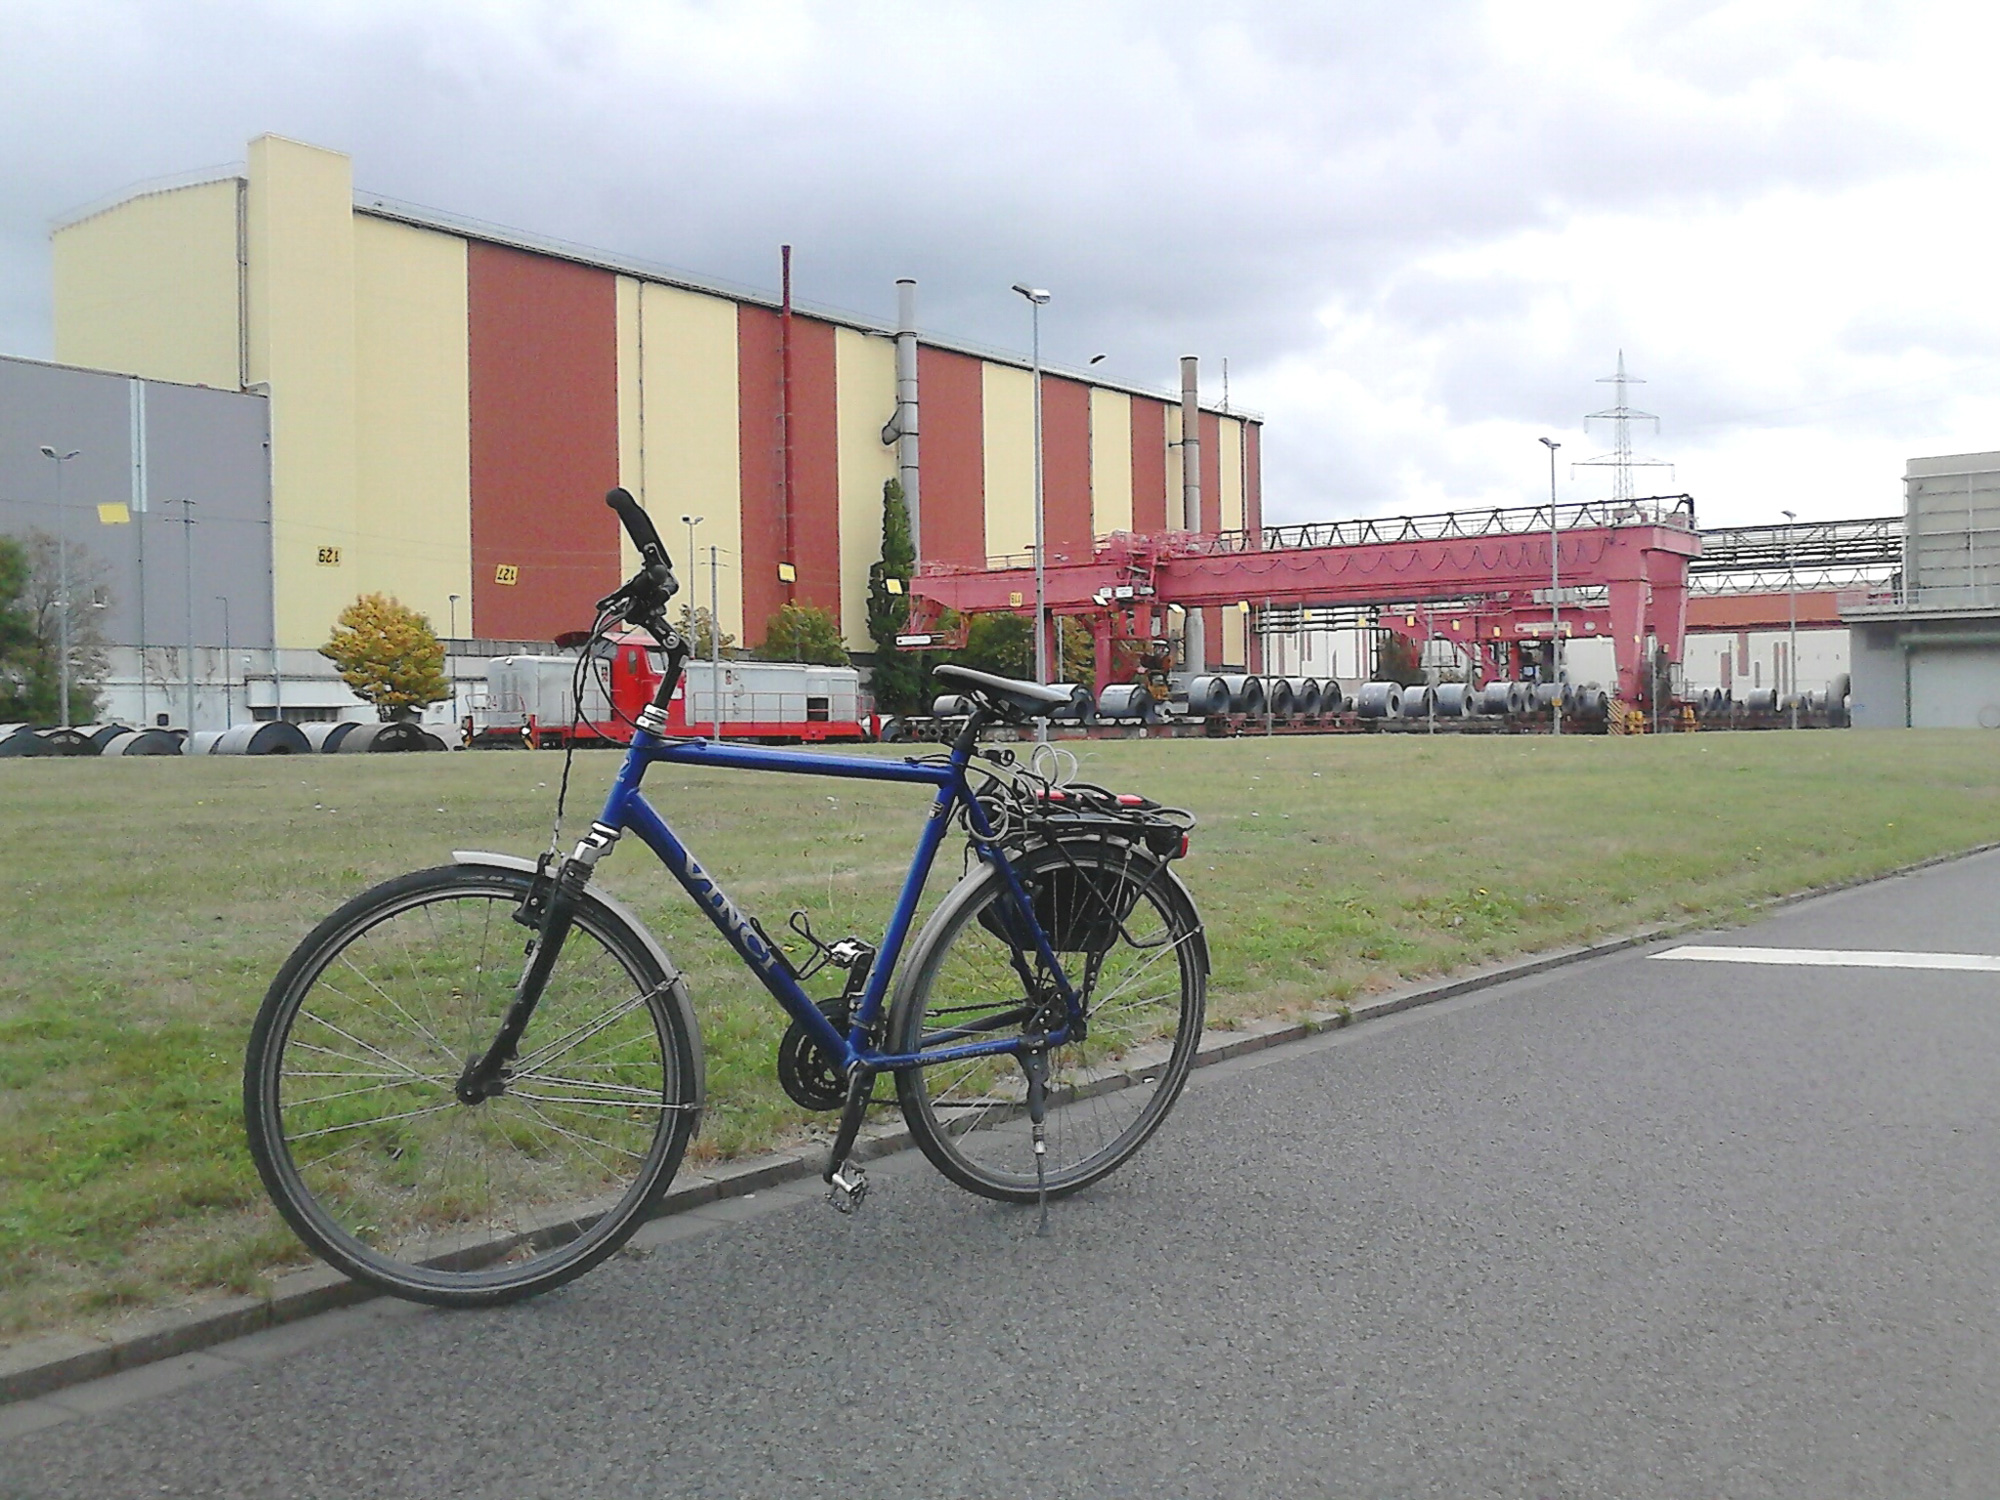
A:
x: 1187, y: 180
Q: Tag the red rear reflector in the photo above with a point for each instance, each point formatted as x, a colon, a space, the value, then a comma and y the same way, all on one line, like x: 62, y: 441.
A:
x: 1184, y: 847
x: 1131, y: 799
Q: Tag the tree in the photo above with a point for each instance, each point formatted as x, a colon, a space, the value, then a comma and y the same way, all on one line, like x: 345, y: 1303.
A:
x: 899, y: 678
x: 1077, y: 660
x: 803, y: 632
x: 1396, y: 659
x: 31, y: 630
x: 698, y: 630
x: 998, y: 643
x: 389, y: 655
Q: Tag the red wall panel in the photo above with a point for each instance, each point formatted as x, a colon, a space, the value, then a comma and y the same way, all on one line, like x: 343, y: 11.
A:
x: 1149, y: 465
x: 542, y: 353
x: 815, y: 465
x: 952, y: 393
x: 815, y: 508
x: 1253, y: 475
x: 1066, y: 468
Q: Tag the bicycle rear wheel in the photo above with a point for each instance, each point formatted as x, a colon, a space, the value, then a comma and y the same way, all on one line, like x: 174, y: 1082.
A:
x: 367, y: 1151
x: 1130, y: 943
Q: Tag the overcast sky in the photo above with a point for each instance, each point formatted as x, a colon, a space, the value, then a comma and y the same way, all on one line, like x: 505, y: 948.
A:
x: 1419, y: 233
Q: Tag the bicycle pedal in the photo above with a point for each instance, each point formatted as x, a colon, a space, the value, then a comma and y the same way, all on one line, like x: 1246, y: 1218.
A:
x: 848, y: 1187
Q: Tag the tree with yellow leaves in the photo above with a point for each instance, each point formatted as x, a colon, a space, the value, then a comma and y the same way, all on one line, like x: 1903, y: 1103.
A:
x: 388, y: 654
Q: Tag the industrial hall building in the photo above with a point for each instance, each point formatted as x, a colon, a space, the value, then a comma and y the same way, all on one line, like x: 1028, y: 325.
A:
x: 448, y: 402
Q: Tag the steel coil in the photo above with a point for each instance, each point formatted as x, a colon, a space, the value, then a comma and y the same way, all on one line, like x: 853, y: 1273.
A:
x: 1379, y: 700
x: 1454, y: 700
x: 1207, y: 695
x: 1130, y: 701
x: 1246, y: 693
x: 325, y: 738
x: 1278, y: 701
x: 270, y: 737
x: 143, y: 742
x: 1081, y: 708
x: 380, y: 739
x: 1305, y: 696
x: 1418, y: 699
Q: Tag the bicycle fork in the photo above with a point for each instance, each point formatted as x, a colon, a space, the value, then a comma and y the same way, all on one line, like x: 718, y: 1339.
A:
x: 557, y: 896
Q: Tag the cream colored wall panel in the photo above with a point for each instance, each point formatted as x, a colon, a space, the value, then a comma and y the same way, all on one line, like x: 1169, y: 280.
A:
x: 150, y: 287
x: 1235, y: 627
x: 1174, y: 468
x: 1009, y: 396
x: 684, y: 349
x: 413, y: 495
x: 1231, y: 436
x: 1110, y: 462
x: 865, y: 387
x: 301, y: 223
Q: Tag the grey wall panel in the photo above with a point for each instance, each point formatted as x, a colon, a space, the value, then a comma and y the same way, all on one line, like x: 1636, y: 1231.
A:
x: 1955, y: 687
x: 1876, y: 670
x: 205, y: 445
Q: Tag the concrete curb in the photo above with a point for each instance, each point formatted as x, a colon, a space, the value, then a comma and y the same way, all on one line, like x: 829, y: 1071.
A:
x: 40, y: 1366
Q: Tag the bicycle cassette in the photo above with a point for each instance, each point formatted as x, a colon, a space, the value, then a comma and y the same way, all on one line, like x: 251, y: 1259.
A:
x: 811, y: 1078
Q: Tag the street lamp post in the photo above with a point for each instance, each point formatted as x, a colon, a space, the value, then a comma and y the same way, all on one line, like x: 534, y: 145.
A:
x: 714, y: 641
x: 1037, y: 297
x: 1555, y: 599
x: 187, y: 595
x: 714, y: 634
x: 1792, y: 619
x: 451, y: 601
x: 228, y: 701
x: 62, y: 578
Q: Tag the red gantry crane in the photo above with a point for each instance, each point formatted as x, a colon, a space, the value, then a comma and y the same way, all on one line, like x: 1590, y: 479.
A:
x: 1479, y: 578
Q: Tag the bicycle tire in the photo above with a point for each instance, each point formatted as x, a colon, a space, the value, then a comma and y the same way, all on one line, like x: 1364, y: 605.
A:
x: 1109, y: 1093
x: 362, y: 1036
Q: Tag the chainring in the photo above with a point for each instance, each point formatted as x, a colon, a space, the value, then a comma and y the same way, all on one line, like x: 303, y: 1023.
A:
x: 812, y: 1079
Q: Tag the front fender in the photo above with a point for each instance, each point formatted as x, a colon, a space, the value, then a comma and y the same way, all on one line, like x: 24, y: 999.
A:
x: 676, y: 982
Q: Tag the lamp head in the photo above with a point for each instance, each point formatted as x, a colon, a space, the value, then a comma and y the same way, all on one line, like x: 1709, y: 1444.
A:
x: 48, y: 452
x: 1550, y: 443
x: 1034, y: 294
x: 1789, y: 515
x: 1097, y: 359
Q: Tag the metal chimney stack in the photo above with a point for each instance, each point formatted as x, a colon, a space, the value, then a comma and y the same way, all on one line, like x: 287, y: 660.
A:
x: 1194, y: 646
x: 906, y: 407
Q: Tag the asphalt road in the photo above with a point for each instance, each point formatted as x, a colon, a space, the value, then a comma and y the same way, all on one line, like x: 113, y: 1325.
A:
x: 1632, y: 1228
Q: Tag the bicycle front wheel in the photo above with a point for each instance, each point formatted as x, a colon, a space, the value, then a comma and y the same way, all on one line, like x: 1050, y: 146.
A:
x: 1130, y: 944
x: 348, y: 1091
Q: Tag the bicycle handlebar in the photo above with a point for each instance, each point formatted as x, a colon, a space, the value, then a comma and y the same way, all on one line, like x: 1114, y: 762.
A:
x: 639, y: 526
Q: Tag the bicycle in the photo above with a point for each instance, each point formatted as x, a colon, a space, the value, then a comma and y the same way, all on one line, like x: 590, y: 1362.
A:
x: 472, y: 1083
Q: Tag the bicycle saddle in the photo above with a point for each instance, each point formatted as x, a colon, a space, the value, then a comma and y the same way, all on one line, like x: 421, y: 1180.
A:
x: 1007, y: 695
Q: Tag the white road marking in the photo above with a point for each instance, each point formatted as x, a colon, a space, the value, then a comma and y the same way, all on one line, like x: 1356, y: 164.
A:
x: 1836, y: 959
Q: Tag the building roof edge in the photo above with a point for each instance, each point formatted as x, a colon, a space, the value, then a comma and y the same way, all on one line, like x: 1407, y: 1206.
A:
x: 375, y: 205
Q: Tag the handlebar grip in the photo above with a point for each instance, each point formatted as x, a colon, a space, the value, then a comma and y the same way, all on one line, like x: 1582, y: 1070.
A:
x: 639, y: 526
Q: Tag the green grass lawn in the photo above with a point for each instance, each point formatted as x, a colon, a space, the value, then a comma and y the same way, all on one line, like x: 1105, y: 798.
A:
x: 161, y: 895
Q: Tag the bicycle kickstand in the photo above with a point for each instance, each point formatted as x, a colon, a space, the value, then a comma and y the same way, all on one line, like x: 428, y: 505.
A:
x: 1036, y: 1065
x: 846, y: 1183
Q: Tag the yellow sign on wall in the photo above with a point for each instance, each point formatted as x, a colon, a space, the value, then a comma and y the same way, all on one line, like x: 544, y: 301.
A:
x: 329, y: 557
x: 506, y: 573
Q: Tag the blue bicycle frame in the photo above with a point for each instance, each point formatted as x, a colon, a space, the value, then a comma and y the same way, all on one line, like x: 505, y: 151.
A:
x: 625, y: 808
